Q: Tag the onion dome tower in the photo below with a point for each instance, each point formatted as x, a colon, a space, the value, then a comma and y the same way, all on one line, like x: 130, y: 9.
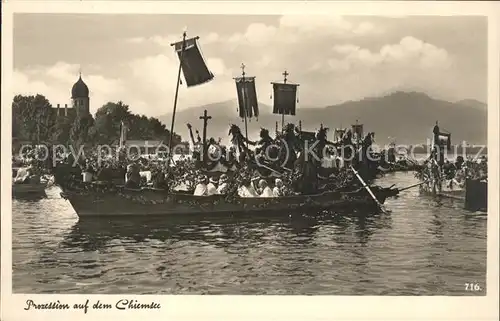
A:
x: 80, y: 97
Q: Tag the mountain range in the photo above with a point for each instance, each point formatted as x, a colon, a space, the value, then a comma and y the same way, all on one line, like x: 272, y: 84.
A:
x: 407, y: 117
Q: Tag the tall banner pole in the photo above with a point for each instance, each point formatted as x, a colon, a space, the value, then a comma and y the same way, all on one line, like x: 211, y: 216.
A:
x: 175, y: 99
x: 282, y: 110
x: 244, y: 100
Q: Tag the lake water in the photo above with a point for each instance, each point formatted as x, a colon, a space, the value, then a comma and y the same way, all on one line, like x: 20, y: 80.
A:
x: 423, y: 247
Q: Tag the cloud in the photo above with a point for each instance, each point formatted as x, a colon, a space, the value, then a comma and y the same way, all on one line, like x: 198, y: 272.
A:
x: 408, y: 53
x: 325, y: 25
x: 288, y: 30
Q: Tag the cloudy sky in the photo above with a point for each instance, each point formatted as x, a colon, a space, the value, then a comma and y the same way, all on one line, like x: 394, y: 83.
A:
x: 333, y: 58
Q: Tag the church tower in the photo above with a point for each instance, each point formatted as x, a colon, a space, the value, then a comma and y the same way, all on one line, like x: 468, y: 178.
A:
x: 80, y: 97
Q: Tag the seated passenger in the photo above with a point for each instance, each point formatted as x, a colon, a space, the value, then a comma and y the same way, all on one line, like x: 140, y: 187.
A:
x: 212, y: 186
x: 265, y: 190
x: 223, y: 185
x: 201, y: 187
x: 133, y: 177
x: 278, y: 188
x: 159, y: 180
x: 88, y: 174
x: 246, y: 189
x: 23, y: 175
x: 106, y: 173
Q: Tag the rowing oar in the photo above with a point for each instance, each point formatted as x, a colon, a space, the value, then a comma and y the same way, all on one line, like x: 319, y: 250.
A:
x: 369, y: 191
x: 269, y: 168
x: 411, y: 186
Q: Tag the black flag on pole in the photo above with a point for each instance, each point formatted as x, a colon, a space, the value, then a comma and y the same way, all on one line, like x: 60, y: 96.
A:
x: 285, y: 96
x: 247, y: 97
x: 194, y: 67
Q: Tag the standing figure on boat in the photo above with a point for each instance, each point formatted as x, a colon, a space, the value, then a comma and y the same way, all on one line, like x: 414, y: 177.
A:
x: 347, y: 147
x: 306, y: 173
x: 322, y: 142
x: 264, y: 142
x: 238, y: 140
x: 289, y: 144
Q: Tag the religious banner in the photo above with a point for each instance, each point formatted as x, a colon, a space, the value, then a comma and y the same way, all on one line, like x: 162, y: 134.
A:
x: 247, y: 97
x: 194, y: 67
x: 444, y: 140
x: 285, y: 97
x: 357, y: 131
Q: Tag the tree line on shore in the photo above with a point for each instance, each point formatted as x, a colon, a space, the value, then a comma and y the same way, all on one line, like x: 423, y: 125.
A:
x: 35, y: 120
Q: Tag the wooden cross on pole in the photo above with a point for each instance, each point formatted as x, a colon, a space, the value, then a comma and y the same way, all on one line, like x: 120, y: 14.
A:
x: 205, y: 119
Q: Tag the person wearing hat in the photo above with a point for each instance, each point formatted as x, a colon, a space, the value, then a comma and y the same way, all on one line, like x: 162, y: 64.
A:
x: 223, y: 185
x: 265, y: 189
x: 212, y: 186
x: 201, y: 187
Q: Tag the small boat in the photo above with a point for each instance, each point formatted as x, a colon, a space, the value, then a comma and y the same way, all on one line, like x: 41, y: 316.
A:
x: 474, y: 195
x: 28, y: 189
x: 96, y: 200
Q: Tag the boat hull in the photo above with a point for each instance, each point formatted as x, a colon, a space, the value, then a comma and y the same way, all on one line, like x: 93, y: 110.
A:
x: 22, y: 190
x: 154, y: 202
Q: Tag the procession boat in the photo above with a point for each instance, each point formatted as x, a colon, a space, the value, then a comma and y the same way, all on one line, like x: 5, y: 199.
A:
x: 91, y: 200
x: 473, y: 196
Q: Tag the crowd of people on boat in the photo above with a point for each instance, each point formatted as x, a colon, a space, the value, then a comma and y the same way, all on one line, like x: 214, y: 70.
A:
x: 454, y: 173
x: 246, y: 187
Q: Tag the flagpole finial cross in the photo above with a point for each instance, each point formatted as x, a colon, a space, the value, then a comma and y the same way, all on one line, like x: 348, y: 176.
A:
x: 285, y: 74
x: 242, y: 69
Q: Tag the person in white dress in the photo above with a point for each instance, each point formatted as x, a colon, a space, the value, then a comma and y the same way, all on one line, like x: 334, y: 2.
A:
x: 265, y: 189
x: 201, y: 187
x: 246, y: 189
x: 223, y: 185
x: 278, y: 188
x: 212, y: 186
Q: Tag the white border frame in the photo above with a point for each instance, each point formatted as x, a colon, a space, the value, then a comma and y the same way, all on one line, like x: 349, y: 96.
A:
x: 182, y: 307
